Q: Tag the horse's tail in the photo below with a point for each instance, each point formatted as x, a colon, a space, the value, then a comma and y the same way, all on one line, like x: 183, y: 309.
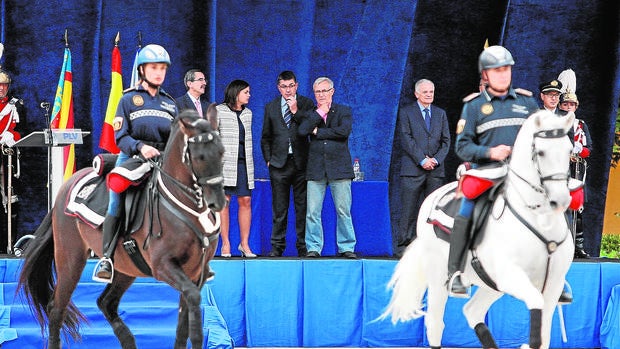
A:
x: 37, y: 279
x: 408, y: 285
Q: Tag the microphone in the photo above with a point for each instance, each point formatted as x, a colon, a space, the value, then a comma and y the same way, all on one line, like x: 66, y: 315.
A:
x: 44, y: 105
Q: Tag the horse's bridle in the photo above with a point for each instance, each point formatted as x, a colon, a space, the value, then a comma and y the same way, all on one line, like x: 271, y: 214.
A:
x: 550, y: 245
x: 195, y: 193
x: 540, y: 188
x: 201, y: 138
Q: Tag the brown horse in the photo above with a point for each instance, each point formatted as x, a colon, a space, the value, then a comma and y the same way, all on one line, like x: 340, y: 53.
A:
x: 172, y: 240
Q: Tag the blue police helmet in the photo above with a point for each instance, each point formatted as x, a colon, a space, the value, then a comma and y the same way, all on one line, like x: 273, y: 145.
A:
x: 153, y: 54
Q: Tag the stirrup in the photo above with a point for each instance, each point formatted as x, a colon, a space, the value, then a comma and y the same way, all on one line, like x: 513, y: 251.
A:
x: 98, y: 266
x: 458, y: 295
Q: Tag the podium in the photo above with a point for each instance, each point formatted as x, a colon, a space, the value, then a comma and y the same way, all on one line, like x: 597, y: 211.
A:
x: 47, y: 138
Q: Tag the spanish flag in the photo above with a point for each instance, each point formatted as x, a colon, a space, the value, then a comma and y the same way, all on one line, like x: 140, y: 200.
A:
x: 107, y: 140
x: 62, y: 113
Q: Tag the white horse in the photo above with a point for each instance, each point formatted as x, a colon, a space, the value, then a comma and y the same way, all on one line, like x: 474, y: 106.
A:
x: 526, y: 249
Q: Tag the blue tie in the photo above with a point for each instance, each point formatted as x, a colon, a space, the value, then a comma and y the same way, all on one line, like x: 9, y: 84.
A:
x: 287, y: 116
x: 427, y: 119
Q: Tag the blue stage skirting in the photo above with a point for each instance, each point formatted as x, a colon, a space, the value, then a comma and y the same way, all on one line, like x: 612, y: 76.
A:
x: 371, y: 220
x: 332, y: 302
x: 315, y: 303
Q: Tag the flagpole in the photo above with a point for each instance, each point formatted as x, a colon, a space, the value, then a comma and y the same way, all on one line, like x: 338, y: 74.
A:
x: 57, y: 121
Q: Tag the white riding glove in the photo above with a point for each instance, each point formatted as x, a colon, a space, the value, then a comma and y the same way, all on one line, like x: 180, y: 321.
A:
x: 7, y: 139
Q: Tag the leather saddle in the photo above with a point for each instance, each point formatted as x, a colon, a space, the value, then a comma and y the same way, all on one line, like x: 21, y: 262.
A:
x: 89, y: 197
x: 447, y: 205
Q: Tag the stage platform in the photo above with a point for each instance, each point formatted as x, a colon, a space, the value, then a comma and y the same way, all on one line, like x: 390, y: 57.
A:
x: 324, y: 302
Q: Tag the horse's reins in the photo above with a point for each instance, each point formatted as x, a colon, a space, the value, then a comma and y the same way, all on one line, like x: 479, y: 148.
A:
x: 550, y: 245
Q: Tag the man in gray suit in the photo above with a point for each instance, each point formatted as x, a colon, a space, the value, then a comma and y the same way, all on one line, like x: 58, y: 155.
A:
x: 195, y: 83
x: 425, y: 140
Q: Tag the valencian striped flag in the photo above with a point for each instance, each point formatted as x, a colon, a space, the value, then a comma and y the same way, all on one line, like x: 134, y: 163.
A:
x: 62, y: 113
x: 107, y: 140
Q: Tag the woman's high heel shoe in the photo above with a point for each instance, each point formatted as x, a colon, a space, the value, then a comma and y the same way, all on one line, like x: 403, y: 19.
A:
x: 225, y: 255
x: 245, y: 253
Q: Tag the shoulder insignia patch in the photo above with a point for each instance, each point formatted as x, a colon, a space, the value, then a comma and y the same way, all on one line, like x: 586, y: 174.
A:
x: 471, y: 96
x: 524, y: 92
x: 460, y: 126
x: 117, y: 123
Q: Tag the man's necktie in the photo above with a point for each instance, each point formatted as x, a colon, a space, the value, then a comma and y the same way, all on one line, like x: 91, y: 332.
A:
x: 427, y: 119
x: 287, y: 116
x: 198, y: 107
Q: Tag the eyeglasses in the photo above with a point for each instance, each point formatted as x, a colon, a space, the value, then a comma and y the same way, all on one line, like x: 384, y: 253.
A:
x: 552, y: 95
x: 200, y: 79
x: 284, y: 87
x: 323, y: 91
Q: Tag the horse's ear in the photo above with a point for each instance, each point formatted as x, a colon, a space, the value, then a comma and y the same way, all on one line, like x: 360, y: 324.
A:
x: 570, y: 120
x: 536, y: 117
x: 186, y: 120
x: 212, y: 116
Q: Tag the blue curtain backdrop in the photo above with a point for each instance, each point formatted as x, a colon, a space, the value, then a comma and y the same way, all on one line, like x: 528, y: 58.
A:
x: 373, y: 50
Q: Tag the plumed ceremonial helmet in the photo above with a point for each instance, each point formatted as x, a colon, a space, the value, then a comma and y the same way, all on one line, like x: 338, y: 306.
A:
x: 494, y: 57
x: 153, y: 54
x: 5, y: 78
x: 569, y: 97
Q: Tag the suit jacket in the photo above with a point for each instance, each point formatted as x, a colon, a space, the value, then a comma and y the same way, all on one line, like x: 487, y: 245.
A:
x: 417, y: 142
x: 329, y: 157
x: 185, y: 102
x: 275, y: 135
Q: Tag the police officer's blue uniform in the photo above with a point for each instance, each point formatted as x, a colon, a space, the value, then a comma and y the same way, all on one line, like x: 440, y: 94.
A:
x: 143, y: 119
x: 486, y: 121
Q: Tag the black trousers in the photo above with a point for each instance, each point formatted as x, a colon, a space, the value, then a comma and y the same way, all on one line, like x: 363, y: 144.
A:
x: 413, y: 190
x: 282, y: 180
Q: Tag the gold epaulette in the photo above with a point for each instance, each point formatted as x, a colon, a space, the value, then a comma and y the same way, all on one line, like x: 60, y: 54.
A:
x: 524, y: 92
x: 471, y: 96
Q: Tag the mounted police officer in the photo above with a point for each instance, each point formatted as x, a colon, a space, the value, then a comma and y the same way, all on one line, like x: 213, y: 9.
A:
x: 490, y: 121
x: 142, y: 127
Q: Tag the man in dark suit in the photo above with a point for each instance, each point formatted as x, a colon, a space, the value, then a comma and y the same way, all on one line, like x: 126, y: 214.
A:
x: 286, y: 154
x: 425, y: 141
x: 329, y: 162
x: 195, y: 83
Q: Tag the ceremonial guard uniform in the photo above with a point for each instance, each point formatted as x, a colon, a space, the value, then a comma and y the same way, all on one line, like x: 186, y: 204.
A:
x: 11, y: 122
x: 579, y: 135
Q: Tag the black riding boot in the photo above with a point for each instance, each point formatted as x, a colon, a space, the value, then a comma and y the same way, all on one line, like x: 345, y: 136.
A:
x: 580, y: 253
x: 458, y: 245
x: 105, y: 263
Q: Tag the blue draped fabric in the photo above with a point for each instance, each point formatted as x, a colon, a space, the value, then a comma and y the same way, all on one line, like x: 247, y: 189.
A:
x: 373, y: 50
